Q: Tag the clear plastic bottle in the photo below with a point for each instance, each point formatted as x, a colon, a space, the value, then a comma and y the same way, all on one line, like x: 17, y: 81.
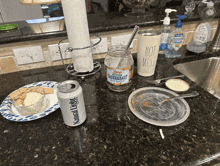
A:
x: 176, y: 40
x: 119, y: 72
x: 165, y: 31
x: 190, y: 6
x: 206, y: 10
x: 201, y: 37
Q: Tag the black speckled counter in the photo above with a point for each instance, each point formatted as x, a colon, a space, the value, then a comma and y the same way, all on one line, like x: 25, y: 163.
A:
x: 111, y: 135
x: 102, y: 22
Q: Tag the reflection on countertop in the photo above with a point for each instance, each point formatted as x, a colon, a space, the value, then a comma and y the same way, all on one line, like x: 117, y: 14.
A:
x: 44, y: 25
x: 111, y: 135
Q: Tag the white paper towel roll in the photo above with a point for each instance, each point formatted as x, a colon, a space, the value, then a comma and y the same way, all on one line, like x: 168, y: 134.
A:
x: 78, y: 33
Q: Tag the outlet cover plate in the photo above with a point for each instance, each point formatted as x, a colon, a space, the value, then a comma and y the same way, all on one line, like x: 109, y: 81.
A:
x: 101, y: 47
x: 27, y: 55
x: 121, y: 39
x: 55, y: 53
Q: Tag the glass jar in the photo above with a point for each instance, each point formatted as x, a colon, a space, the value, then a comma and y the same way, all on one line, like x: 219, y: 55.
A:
x: 119, y: 67
x: 190, y: 6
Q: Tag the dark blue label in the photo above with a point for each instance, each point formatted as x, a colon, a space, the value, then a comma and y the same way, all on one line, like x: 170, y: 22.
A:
x: 74, y: 109
x: 179, y: 35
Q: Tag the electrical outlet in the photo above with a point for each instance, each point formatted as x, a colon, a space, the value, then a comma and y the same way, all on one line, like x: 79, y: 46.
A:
x: 101, y: 47
x: 122, y: 39
x: 26, y: 55
x: 55, y: 52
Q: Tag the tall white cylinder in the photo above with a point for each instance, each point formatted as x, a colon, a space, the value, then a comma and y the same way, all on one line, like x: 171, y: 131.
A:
x: 147, y: 51
x: 78, y: 33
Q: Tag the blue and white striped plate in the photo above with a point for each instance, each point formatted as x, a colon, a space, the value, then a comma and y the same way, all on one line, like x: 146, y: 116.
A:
x: 9, y: 112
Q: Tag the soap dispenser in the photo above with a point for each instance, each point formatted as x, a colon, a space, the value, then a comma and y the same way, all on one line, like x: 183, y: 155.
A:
x: 206, y: 10
x: 165, y: 31
x: 176, y: 40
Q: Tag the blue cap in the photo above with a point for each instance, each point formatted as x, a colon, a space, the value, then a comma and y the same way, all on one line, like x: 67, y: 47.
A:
x: 179, y: 24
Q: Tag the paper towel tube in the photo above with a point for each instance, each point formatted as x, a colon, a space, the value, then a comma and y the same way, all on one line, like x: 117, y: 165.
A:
x: 78, y: 33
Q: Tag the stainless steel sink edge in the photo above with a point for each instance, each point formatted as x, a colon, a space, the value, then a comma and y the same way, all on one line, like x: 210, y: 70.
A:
x: 205, y: 73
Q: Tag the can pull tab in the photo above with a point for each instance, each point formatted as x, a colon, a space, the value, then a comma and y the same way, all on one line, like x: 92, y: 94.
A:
x: 73, y: 86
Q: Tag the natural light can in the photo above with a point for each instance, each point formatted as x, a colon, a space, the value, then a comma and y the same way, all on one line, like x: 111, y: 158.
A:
x: 70, y: 97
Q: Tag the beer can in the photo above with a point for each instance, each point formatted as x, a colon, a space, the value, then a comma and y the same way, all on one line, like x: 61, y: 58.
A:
x: 70, y: 97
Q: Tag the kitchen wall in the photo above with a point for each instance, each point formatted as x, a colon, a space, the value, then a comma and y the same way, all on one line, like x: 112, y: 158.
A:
x: 8, y: 62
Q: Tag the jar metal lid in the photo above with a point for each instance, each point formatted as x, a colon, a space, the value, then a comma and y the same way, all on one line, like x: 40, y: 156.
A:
x: 68, y: 86
x: 177, y: 85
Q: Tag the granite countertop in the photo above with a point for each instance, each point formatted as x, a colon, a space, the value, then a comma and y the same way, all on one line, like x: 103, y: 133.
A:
x: 102, y: 22
x: 111, y: 135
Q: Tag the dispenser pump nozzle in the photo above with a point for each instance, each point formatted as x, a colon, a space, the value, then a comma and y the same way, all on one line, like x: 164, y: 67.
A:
x: 209, y: 4
x: 168, y: 11
x: 166, y: 20
x: 179, y: 24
